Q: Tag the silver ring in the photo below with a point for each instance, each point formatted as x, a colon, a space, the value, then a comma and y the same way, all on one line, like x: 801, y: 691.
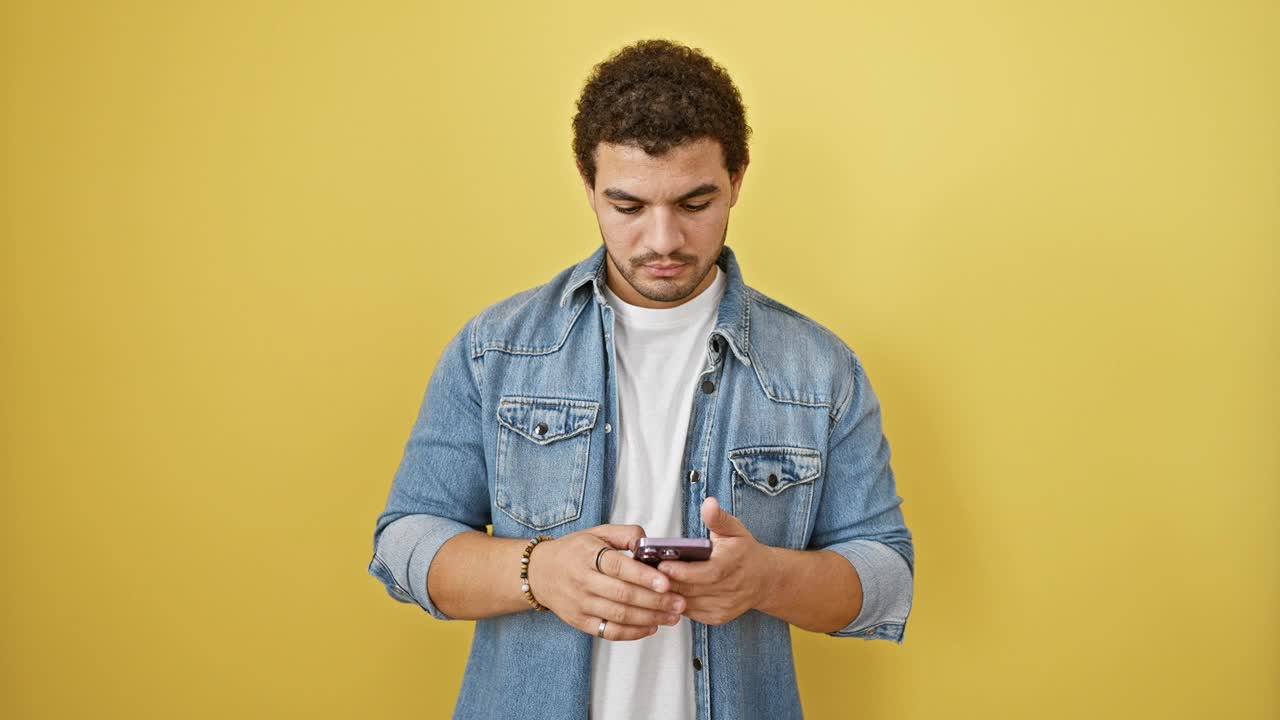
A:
x: 599, y: 555
x: 600, y: 630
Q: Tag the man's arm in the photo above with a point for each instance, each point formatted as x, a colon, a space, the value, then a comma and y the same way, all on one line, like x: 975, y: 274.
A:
x: 473, y: 576
x: 857, y: 577
x: 476, y: 576
x: 859, y: 516
x: 440, y: 489
x: 813, y: 589
x: 428, y: 547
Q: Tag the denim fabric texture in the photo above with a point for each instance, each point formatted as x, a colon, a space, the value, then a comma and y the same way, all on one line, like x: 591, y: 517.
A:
x: 514, y: 431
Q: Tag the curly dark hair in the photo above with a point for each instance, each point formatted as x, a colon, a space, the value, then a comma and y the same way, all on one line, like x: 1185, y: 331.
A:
x: 656, y: 94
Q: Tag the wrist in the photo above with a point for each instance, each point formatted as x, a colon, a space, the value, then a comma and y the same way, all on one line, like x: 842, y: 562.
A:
x: 769, y: 579
x: 527, y: 572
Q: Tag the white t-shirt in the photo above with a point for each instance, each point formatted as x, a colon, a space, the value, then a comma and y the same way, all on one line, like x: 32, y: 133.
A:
x: 660, y: 353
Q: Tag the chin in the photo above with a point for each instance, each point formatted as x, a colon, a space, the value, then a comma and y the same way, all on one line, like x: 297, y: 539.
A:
x: 666, y: 293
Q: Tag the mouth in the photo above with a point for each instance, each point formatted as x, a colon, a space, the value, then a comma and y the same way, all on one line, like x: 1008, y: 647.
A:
x: 663, y: 271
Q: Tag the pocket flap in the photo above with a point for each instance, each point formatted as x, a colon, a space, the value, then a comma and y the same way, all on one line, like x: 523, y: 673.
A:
x: 774, y: 469
x: 545, y: 420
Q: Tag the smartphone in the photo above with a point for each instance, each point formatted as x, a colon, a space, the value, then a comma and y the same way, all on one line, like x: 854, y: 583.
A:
x: 652, y: 551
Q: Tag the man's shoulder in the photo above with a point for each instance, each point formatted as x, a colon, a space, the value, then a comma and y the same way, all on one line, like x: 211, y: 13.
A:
x: 774, y: 324
x: 797, y: 357
x: 530, y: 322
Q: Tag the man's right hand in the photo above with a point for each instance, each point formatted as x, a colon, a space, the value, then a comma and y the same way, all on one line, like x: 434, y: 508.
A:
x: 635, y: 598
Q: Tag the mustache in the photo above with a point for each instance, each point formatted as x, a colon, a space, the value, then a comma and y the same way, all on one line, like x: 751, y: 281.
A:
x: 681, y: 258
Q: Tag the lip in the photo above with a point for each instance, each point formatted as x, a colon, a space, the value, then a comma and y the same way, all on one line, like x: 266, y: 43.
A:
x: 665, y: 270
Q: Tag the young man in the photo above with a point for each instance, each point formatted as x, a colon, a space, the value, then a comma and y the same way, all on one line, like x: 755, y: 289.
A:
x: 648, y: 392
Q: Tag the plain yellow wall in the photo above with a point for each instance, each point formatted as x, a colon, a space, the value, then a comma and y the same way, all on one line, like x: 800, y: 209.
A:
x: 236, y: 236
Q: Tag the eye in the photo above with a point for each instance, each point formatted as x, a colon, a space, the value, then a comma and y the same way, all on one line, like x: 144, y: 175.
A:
x: 629, y: 210
x: 698, y: 208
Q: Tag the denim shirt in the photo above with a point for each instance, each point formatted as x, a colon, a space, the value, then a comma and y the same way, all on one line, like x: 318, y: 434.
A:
x: 516, y: 430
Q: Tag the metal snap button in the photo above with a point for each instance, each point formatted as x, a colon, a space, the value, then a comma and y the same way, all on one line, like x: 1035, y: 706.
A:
x: 773, y: 480
x: 540, y: 430
x: 708, y: 387
x: 693, y: 476
x: 697, y: 664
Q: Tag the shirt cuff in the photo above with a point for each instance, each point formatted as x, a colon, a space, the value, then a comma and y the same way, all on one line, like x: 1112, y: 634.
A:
x: 887, y: 587
x: 403, y: 555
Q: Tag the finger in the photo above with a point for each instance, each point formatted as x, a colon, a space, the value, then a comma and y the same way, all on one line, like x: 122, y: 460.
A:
x: 615, y: 564
x: 703, y: 572
x: 702, y: 614
x: 689, y: 591
x: 625, y: 593
x: 720, y: 522
x: 697, y: 608
x: 621, y: 537
x: 616, y: 631
x: 710, y: 611
x: 627, y: 614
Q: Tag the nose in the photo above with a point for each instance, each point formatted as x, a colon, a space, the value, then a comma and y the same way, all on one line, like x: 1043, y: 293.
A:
x: 667, y: 237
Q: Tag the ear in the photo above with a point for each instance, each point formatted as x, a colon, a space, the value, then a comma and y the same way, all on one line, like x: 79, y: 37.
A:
x: 735, y: 182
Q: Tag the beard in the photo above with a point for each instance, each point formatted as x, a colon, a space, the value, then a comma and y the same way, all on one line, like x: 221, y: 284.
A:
x: 664, y: 289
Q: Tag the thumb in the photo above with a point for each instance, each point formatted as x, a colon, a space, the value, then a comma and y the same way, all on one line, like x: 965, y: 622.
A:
x: 720, y: 522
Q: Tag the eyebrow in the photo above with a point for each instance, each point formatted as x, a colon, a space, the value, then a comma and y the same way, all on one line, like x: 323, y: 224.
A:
x: 624, y: 196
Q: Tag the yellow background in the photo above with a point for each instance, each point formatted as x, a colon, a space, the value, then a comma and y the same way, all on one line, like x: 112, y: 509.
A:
x: 236, y: 236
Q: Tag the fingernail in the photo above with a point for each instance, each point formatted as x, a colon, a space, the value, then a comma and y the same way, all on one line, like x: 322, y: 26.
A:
x: 657, y: 584
x: 673, y: 619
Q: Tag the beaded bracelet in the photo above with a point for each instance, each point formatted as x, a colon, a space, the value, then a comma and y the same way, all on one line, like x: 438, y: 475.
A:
x: 524, y: 572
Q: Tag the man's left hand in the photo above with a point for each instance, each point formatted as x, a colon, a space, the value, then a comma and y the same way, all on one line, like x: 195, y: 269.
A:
x: 732, y: 581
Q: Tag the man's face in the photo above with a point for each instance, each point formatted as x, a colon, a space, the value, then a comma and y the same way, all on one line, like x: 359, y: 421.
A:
x: 663, y: 219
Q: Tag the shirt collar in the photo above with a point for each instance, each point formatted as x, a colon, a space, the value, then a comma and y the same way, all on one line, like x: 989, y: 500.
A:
x: 733, y: 322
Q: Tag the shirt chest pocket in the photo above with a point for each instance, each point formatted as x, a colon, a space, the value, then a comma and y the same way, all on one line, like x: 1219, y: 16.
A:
x: 773, y: 492
x: 542, y: 453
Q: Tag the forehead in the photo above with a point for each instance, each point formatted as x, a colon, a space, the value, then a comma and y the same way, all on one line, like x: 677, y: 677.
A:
x: 628, y: 167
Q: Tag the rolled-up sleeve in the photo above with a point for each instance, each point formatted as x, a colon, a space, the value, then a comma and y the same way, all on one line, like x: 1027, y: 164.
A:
x: 886, y: 590
x: 860, y: 516
x: 440, y: 488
